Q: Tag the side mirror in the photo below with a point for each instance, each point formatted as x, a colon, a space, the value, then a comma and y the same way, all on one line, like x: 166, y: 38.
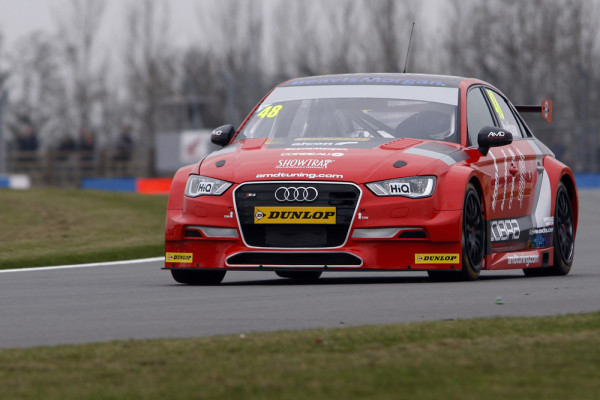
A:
x: 490, y: 136
x: 222, y: 135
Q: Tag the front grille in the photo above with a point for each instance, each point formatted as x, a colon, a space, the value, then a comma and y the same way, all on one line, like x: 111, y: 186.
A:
x: 343, y: 197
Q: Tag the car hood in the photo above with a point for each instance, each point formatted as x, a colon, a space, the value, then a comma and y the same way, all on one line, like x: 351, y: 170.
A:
x: 350, y: 159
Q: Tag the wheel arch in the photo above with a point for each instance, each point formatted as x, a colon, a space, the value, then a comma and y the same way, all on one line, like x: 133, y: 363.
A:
x: 178, y: 184
x: 455, y: 183
x: 477, y: 184
x: 559, y: 172
x: 569, y: 181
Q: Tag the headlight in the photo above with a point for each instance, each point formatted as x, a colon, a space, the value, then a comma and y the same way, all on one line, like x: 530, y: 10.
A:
x: 414, y: 187
x: 198, y: 185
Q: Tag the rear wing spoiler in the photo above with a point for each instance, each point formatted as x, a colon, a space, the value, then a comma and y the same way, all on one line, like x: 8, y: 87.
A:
x: 545, y: 108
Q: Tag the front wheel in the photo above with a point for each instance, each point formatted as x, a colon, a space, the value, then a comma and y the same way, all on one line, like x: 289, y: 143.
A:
x: 200, y: 277
x: 473, y: 241
x: 473, y: 235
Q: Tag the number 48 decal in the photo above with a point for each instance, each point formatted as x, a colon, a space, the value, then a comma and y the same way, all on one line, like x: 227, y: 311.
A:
x: 270, y: 111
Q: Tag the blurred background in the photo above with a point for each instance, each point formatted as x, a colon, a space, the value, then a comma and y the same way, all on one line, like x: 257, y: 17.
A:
x: 132, y: 88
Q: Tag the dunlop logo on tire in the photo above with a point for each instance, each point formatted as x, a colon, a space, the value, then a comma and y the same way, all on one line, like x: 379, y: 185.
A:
x: 436, y: 258
x: 294, y: 215
x: 186, y: 258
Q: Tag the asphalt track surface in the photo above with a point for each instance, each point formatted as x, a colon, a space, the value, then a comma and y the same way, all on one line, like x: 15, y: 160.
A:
x: 139, y: 301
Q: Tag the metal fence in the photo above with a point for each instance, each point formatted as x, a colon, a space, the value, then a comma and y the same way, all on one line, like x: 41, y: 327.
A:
x: 68, y: 169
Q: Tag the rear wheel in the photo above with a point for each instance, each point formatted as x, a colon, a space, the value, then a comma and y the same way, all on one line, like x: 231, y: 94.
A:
x: 564, y: 237
x: 201, y: 277
x: 300, y: 275
x: 564, y: 233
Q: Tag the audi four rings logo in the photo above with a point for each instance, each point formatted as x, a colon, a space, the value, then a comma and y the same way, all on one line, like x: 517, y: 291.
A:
x: 296, y: 193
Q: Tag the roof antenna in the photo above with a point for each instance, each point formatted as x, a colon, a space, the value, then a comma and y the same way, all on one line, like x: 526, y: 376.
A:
x: 408, y: 51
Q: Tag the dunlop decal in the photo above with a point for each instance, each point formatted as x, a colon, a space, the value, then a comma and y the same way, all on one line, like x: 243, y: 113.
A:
x: 436, y: 258
x: 186, y: 258
x: 294, y: 215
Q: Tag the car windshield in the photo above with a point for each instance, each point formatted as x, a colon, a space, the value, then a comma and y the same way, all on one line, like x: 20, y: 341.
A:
x: 356, y: 111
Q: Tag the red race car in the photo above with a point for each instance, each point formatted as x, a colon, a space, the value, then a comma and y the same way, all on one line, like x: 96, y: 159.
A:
x: 374, y: 172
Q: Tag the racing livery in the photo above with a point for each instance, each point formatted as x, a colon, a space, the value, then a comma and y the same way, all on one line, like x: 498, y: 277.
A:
x: 375, y: 172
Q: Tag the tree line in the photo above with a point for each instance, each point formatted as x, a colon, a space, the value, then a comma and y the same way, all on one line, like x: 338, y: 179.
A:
x: 63, y: 84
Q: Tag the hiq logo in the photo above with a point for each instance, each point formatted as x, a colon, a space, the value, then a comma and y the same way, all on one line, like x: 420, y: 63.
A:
x: 399, y: 188
x: 204, y: 187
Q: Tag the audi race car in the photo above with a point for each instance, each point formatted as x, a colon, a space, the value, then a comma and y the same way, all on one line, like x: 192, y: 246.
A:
x: 381, y: 172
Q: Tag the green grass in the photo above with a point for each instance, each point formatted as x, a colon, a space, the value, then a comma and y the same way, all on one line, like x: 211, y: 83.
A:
x: 502, y: 358
x: 42, y: 227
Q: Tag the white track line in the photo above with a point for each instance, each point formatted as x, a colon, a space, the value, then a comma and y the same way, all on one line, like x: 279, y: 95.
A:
x: 102, y: 264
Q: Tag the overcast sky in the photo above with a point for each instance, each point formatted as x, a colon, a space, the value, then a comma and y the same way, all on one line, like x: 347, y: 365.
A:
x: 19, y: 17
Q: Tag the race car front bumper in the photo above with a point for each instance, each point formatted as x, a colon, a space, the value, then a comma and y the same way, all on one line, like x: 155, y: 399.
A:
x: 405, y: 242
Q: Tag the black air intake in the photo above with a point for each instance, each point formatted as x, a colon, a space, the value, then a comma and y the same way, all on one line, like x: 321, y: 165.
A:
x: 315, y: 259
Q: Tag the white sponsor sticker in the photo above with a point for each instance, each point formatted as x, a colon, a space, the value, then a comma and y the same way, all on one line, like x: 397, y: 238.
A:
x: 523, y: 260
x: 296, y: 154
x: 505, y: 229
x: 328, y: 144
x: 315, y: 148
x: 399, y: 189
x: 304, y: 175
x: 204, y: 188
x: 541, y: 231
x: 304, y: 163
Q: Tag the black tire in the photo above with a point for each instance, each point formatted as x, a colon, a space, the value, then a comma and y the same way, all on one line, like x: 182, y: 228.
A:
x: 201, y: 277
x: 473, y: 241
x: 473, y: 235
x: 563, y: 237
x: 306, y: 276
x: 564, y: 233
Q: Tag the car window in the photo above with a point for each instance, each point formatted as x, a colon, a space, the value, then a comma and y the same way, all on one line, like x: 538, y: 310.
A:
x: 478, y: 114
x: 504, y: 113
x: 356, y: 112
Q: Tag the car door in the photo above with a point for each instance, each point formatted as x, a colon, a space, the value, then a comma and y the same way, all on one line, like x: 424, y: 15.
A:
x: 537, y: 197
x: 522, y: 179
x: 501, y: 166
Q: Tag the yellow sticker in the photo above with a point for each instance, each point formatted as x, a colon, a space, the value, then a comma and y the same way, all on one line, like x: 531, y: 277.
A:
x: 270, y: 111
x: 186, y: 258
x: 294, y: 215
x: 436, y: 258
x: 495, y: 103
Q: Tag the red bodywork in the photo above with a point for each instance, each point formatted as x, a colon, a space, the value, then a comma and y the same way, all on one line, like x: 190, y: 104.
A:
x: 508, y: 180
